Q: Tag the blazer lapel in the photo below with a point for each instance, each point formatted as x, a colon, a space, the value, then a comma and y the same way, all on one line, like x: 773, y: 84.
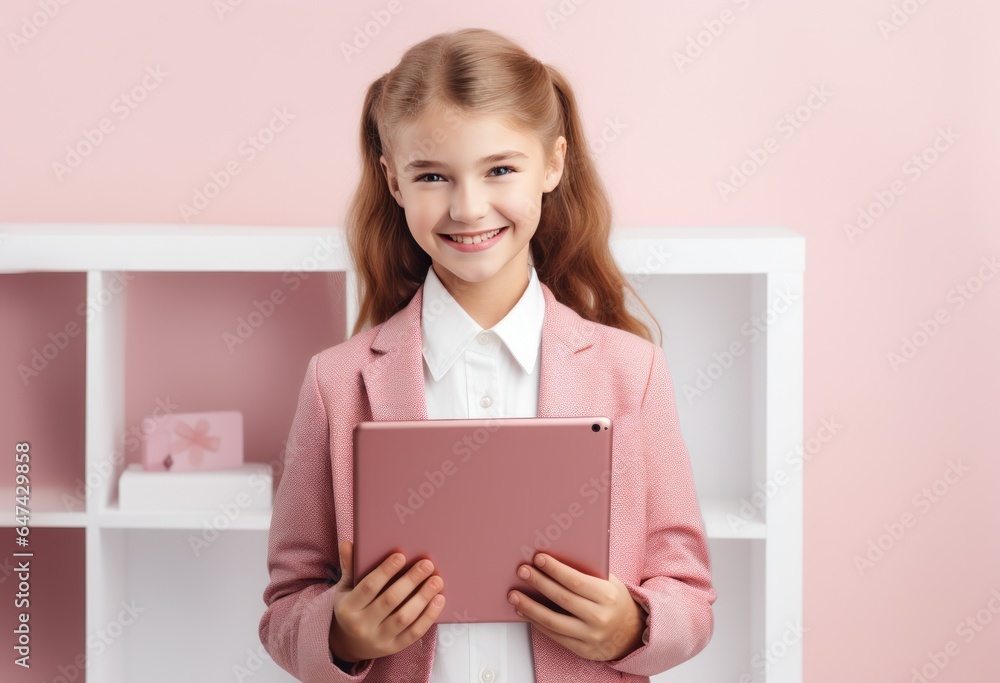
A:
x: 394, y: 381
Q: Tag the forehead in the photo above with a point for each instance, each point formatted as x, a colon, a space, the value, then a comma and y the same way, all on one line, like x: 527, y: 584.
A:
x: 459, y: 139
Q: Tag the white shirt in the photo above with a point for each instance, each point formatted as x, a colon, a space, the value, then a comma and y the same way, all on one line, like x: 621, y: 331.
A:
x: 469, y: 372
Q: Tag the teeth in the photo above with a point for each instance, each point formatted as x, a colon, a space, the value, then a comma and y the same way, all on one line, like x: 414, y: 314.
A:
x: 474, y: 240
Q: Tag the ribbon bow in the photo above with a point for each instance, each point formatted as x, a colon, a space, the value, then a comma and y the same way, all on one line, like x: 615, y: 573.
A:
x: 194, y: 439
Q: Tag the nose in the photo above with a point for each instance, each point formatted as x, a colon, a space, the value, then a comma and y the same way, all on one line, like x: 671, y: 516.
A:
x: 468, y: 204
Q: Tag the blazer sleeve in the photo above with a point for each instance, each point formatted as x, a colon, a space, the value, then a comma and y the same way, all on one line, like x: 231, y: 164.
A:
x: 675, y: 587
x: 303, y: 559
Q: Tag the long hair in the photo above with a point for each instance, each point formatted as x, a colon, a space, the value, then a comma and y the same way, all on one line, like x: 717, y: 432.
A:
x: 478, y: 71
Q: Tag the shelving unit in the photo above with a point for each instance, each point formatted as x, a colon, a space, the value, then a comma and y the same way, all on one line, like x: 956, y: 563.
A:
x: 741, y: 416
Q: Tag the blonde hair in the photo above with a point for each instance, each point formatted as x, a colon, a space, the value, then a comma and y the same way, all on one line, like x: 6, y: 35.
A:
x: 478, y: 71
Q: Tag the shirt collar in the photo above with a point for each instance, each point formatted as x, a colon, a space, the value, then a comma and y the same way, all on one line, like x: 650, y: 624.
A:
x: 447, y: 329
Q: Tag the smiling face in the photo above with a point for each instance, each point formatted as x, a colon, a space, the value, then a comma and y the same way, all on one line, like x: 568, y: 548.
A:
x: 465, y: 175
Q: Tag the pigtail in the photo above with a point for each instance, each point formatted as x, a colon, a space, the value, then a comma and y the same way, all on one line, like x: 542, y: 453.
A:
x: 390, y: 265
x: 571, y: 250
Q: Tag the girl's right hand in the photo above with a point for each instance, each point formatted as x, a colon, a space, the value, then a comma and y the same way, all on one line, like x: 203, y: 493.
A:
x: 364, y: 625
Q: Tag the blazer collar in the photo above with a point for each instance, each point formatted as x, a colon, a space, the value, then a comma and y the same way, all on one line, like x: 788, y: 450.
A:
x: 394, y: 381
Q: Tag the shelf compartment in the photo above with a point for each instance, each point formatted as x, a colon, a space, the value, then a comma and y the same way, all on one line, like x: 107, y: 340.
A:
x: 215, y: 592
x: 226, y: 341
x: 42, y: 395
x: 56, y: 595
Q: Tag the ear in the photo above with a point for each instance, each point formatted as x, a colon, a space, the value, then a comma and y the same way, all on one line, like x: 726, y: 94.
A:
x: 554, y: 168
x: 391, y: 180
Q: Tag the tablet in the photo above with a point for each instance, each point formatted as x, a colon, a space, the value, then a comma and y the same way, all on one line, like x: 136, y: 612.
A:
x: 479, y: 497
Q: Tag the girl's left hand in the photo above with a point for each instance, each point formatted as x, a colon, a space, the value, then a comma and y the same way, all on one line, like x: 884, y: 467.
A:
x: 604, y: 621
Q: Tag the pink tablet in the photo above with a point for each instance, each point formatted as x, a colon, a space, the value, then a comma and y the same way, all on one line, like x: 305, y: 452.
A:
x: 480, y: 496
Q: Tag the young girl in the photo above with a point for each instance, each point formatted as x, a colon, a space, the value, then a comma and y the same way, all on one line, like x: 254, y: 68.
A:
x: 488, y: 289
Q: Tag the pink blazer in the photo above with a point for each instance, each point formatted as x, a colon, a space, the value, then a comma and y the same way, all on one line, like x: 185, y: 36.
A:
x: 658, y: 547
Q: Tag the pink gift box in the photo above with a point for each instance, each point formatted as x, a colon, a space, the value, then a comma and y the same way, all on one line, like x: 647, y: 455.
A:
x: 194, y: 441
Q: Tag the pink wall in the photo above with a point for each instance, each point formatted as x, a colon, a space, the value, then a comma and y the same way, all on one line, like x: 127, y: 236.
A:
x: 678, y: 131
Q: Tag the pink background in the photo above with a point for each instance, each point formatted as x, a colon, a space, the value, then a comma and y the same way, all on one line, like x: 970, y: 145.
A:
x: 678, y: 133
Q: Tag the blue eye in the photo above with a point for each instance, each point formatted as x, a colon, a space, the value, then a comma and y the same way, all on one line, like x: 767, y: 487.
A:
x: 511, y: 169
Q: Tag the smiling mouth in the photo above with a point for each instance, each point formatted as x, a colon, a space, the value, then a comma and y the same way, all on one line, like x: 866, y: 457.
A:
x: 476, y: 239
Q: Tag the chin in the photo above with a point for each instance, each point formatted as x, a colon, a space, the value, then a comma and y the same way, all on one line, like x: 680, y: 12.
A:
x: 472, y: 274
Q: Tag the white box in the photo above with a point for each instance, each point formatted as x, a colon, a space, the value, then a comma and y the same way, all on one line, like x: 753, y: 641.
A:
x: 248, y: 487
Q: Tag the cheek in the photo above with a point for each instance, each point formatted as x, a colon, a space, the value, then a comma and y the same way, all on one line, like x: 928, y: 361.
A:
x: 421, y: 217
x: 523, y: 211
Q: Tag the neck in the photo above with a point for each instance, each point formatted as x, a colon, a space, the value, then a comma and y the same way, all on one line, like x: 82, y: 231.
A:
x: 488, y: 302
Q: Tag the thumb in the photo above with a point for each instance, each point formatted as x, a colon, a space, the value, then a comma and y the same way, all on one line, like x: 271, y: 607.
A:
x: 347, y: 564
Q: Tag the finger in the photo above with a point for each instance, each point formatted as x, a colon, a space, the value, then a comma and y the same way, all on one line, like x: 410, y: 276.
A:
x: 346, y: 566
x: 571, y: 602
x: 601, y: 652
x: 569, y: 642
x: 394, y: 596
x: 427, y: 617
x: 401, y: 620
x: 370, y: 586
x: 568, y: 625
x: 585, y: 585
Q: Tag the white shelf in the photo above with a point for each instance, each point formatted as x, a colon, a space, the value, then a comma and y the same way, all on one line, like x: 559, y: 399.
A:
x: 48, y: 506
x: 113, y: 518
x: 717, y: 513
x: 701, y: 283
x: 159, y: 247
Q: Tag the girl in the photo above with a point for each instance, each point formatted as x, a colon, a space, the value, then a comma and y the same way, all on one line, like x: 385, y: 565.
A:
x: 488, y: 289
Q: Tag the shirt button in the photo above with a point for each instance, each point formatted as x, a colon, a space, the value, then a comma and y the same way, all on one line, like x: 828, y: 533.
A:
x: 484, y: 338
x: 485, y: 401
x: 487, y: 675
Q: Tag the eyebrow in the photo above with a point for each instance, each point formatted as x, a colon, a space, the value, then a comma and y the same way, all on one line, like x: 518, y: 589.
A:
x: 418, y: 164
